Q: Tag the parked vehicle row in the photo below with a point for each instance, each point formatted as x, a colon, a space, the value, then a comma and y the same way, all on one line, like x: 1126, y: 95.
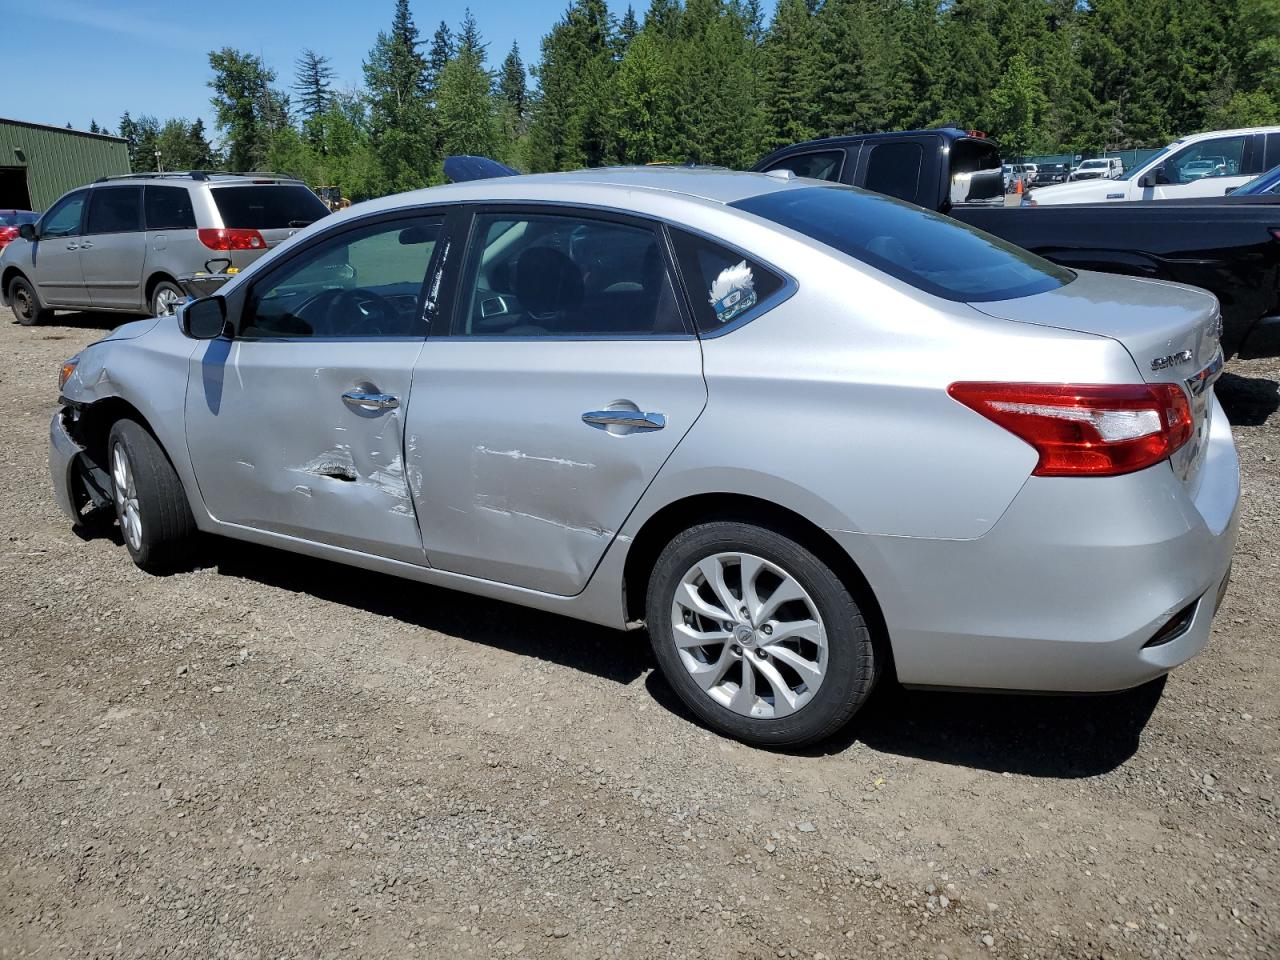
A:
x: 123, y: 244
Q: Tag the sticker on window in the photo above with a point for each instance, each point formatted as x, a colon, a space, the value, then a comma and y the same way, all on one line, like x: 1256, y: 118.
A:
x: 734, y: 292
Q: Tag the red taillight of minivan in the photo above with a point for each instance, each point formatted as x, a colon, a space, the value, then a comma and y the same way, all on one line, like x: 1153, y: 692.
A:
x: 1087, y: 430
x: 228, y: 238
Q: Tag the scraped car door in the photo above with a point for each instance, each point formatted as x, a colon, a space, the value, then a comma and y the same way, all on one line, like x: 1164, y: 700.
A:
x: 567, y: 378
x: 296, y: 425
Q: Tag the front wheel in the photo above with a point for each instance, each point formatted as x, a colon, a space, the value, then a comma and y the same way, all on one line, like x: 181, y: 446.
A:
x: 155, y: 518
x: 26, y: 304
x: 758, y: 636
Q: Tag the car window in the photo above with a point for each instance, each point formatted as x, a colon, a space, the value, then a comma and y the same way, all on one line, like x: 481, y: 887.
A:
x: 267, y: 206
x: 168, y: 208
x: 364, y: 283
x: 114, y: 210
x: 894, y: 169
x: 63, y: 218
x: 1220, y: 157
x: 931, y: 252
x: 565, y: 275
x: 724, y: 285
x: 818, y: 166
x: 18, y: 217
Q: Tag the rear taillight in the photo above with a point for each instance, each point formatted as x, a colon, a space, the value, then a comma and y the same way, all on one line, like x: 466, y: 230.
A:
x: 1086, y: 430
x: 228, y: 238
x: 7, y: 236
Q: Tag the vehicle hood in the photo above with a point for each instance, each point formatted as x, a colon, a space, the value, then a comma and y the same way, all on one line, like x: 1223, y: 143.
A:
x: 1079, y: 191
x: 131, y: 330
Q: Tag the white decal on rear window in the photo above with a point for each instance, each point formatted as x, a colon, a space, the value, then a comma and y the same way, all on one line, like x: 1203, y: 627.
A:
x: 733, y: 292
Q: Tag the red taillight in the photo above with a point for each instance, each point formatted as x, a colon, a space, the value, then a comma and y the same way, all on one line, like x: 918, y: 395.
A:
x: 227, y: 238
x: 7, y: 235
x: 1086, y: 430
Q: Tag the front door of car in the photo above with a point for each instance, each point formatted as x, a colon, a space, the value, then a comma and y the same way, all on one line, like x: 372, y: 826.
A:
x: 113, y: 248
x: 1207, y: 168
x: 296, y: 425
x: 567, y: 378
x: 56, y: 257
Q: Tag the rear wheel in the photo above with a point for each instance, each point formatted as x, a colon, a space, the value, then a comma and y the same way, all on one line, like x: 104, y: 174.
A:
x: 26, y: 304
x: 165, y: 297
x: 757, y: 635
x: 155, y: 518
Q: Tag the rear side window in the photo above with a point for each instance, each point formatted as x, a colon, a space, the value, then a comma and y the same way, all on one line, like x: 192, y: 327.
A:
x: 267, y: 206
x: 115, y: 210
x: 724, y: 285
x: 894, y: 169
x: 817, y: 166
x: 925, y: 249
x: 168, y: 208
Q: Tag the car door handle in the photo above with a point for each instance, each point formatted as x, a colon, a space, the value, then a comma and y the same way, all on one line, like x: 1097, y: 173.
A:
x: 85, y: 244
x: 370, y: 401
x: 624, y: 418
x: 73, y: 246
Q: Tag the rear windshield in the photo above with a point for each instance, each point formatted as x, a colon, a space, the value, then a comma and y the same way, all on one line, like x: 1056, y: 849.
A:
x: 925, y: 249
x: 267, y: 206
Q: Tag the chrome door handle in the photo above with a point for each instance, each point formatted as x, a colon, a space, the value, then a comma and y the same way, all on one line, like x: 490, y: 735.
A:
x: 86, y: 244
x: 624, y: 418
x: 370, y: 401
x: 73, y: 246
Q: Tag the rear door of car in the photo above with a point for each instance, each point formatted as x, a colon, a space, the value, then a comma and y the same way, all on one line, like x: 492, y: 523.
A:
x: 113, y: 248
x: 170, y: 221
x: 540, y: 414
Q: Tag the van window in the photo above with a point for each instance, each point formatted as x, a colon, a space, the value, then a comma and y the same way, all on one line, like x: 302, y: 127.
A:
x: 114, y: 210
x: 925, y: 249
x: 168, y: 208
x: 267, y: 206
x: 894, y: 170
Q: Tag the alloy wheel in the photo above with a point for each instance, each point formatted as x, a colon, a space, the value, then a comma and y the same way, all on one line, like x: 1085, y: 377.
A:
x: 165, y: 300
x: 126, y: 496
x: 750, y: 635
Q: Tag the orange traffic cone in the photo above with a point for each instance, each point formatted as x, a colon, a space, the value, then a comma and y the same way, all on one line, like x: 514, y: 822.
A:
x: 1017, y: 186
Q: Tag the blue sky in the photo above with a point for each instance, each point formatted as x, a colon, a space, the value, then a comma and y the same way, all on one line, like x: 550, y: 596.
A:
x: 76, y: 60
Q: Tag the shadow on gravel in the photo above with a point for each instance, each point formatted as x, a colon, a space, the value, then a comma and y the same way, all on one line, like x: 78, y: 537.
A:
x: 1037, y: 736
x: 611, y: 654
x: 1248, y: 401
x: 79, y: 320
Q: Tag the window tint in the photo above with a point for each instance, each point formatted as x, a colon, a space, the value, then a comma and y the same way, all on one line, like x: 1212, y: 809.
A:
x: 819, y: 166
x: 1273, y: 150
x: 114, y: 210
x: 363, y: 283
x: 169, y: 208
x: 551, y: 275
x: 267, y: 206
x: 63, y: 219
x: 723, y: 285
x: 925, y: 249
x: 1222, y: 157
x: 894, y: 169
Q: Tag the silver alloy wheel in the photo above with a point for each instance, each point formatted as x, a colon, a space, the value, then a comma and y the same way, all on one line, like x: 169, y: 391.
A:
x: 750, y: 635
x: 126, y: 498
x: 165, y: 300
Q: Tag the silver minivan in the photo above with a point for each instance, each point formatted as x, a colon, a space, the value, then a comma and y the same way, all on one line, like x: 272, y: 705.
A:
x: 123, y: 244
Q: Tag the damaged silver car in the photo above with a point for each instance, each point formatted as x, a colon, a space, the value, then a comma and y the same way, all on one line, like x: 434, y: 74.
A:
x: 803, y: 433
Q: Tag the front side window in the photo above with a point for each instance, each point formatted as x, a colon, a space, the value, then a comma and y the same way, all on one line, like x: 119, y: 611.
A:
x: 115, y: 210
x: 552, y: 275
x: 724, y: 286
x: 63, y: 219
x: 924, y: 249
x: 168, y: 208
x: 894, y: 169
x: 364, y: 283
x: 1221, y: 157
x: 817, y: 166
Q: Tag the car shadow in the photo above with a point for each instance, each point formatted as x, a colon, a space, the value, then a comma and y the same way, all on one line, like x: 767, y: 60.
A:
x: 611, y: 654
x: 1248, y: 401
x: 80, y: 320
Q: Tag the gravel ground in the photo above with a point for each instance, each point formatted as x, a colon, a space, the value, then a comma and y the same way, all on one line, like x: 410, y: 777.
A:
x: 279, y: 757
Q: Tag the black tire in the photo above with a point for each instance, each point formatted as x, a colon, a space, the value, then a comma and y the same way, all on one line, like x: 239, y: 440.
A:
x: 168, y: 529
x: 162, y: 288
x: 26, y: 303
x: 853, y: 664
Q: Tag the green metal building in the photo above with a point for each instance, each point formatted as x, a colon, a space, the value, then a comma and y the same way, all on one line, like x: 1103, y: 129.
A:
x: 39, y: 163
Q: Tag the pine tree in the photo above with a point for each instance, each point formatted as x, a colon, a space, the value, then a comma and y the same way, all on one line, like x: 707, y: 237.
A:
x: 314, y: 77
x: 129, y: 133
x: 402, y: 136
x: 791, y: 77
x: 643, y: 112
x: 441, y: 52
x: 248, y: 109
x: 469, y: 38
x: 93, y: 126
x: 512, y: 86
x: 467, y: 113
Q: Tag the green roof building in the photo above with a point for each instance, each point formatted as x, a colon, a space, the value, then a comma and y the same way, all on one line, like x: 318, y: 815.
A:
x: 39, y: 163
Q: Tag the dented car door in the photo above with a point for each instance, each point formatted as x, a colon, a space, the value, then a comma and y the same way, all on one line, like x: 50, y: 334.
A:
x: 296, y: 425
x: 567, y: 377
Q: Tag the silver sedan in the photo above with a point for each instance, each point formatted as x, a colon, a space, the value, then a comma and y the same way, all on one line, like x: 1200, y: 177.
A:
x: 806, y: 435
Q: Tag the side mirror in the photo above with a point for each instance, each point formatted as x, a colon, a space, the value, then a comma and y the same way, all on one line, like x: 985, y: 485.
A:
x: 1153, y: 178
x: 27, y: 231
x: 203, y: 319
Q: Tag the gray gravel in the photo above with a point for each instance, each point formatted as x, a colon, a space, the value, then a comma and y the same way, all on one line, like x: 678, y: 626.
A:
x: 277, y: 757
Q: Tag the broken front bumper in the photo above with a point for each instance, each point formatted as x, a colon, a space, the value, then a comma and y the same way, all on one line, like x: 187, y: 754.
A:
x: 64, y: 456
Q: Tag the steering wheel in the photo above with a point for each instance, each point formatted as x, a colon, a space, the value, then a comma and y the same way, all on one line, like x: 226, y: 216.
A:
x: 360, y: 312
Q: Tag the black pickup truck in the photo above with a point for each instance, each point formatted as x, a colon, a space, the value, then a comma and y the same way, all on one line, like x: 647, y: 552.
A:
x: 1229, y: 246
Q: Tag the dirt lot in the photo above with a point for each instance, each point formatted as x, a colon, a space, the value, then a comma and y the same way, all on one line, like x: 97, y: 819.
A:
x: 277, y: 757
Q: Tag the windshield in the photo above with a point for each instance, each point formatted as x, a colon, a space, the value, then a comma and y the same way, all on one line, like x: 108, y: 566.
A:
x: 15, y: 218
x: 1268, y: 182
x: 931, y: 252
x: 268, y: 206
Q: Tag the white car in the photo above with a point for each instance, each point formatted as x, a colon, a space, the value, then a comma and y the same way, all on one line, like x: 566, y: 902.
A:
x: 1099, y: 168
x: 1201, y: 165
x: 1031, y: 171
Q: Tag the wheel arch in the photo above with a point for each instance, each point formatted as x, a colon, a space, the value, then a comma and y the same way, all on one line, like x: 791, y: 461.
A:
x: 93, y: 427
x: 160, y: 276
x: 11, y: 273
x: 659, y: 529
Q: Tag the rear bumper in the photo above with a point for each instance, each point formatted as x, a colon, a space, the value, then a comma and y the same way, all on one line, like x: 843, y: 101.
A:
x: 64, y: 453
x: 1067, y: 589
